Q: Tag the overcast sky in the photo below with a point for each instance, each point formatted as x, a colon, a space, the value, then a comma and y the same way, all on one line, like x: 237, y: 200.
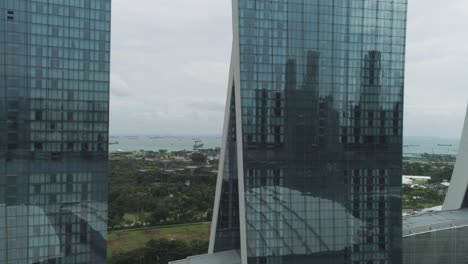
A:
x: 170, y: 62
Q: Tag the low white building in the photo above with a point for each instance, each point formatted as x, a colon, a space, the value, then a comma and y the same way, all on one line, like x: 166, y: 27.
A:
x: 408, y: 179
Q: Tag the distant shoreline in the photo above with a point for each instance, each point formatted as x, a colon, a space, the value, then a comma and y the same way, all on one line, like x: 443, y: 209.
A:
x: 178, y: 142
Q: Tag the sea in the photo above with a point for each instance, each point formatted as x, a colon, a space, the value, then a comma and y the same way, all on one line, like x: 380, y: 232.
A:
x: 411, y: 146
x: 162, y: 142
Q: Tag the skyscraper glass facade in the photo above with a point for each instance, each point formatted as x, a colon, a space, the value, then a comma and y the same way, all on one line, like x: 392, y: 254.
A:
x: 316, y: 112
x: 54, y: 100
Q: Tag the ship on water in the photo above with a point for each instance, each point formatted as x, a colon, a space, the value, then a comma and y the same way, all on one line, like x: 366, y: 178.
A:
x: 198, y: 144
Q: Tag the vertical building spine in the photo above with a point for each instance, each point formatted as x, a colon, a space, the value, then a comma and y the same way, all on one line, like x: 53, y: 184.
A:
x: 457, y: 196
x: 239, y: 131
x: 222, y: 160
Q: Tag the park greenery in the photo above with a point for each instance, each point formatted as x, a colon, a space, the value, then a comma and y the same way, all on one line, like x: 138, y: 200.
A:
x: 420, y: 197
x: 438, y: 167
x: 127, y: 245
x: 161, y: 251
x: 427, y: 194
x: 151, y: 192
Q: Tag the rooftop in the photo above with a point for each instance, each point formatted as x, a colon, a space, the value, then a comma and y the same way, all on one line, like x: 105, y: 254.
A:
x: 414, y: 225
x: 434, y: 221
x: 227, y: 257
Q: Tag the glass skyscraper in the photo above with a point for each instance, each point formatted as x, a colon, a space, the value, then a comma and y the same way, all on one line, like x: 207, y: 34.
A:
x: 54, y: 100
x: 311, y: 162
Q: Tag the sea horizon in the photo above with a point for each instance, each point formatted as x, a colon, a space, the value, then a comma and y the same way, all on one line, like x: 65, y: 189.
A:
x: 412, y: 145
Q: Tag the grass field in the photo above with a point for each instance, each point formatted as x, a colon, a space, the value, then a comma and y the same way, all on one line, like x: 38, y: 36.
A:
x: 124, y: 241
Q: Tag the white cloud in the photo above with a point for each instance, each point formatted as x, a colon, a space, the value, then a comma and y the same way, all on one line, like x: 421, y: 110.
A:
x: 206, y: 71
x: 118, y: 86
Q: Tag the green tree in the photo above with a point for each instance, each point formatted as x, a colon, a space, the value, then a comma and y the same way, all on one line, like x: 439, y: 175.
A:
x: 136, y: 256
x: 158, y: 215
x: 198, y: 157
x: 141, y: 217
x: 199, y: 247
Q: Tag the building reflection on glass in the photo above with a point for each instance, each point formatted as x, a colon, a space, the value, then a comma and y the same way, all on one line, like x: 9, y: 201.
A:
x: 311, y: 163
x: 54, y: 96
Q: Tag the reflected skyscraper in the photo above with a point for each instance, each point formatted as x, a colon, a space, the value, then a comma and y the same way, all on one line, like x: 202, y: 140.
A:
x: 311, y: 162
x: 54, y: 96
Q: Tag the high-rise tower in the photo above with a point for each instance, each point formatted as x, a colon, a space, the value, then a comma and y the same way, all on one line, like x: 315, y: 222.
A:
x: 311, y: 161
x: 54, y: 100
